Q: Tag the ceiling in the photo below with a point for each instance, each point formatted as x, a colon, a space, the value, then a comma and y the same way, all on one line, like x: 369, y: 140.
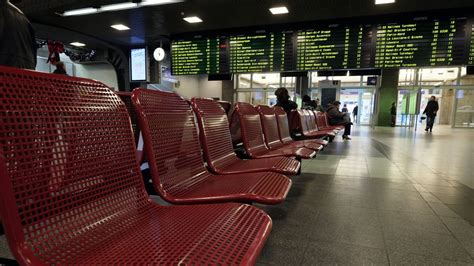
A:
x: 151, y: 24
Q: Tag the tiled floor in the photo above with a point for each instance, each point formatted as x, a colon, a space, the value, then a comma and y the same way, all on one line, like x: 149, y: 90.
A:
x: 389, y: 196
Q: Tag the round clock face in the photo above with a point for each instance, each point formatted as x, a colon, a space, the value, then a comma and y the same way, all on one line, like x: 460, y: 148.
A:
x: 159, y: 54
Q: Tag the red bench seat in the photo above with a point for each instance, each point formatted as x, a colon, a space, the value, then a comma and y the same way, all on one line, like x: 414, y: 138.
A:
x: 216, y: 142
x: 176, y: 164
x: 72, y: 192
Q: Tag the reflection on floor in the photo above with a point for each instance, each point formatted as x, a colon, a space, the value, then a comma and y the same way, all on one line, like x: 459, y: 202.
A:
x: 389, y: 196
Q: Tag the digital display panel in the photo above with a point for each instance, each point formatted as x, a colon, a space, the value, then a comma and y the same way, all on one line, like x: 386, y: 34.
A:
x: 419, y: 42
x: 333, y: 47
x: 424, y: 43
x: 138, y: 64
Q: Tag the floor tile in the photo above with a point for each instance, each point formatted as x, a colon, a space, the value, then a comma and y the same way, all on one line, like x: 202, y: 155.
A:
x: 394, y: 221
x: 333, y: 253
x: 398, y: 258
x: 463, y: 231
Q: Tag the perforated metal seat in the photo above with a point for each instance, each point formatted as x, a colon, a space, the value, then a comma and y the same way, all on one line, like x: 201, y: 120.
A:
x: 313, y: 126
x: 176, y: 164
x: 217, y: 144
x: 253, y: 137
x: 284, y: 131
x: 321, y: 121
x: 126, y: 97
x: 71, y: 190
x: 304, y: 123
x: 272, y: 134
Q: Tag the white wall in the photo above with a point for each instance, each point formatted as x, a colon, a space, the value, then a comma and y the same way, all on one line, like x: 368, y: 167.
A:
x: 104, y: 73
x: 198, y: 86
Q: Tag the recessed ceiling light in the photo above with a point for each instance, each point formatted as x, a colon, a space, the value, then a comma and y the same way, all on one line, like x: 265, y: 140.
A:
x: 78, y: 44
x: 120, y: 27
x: 119, y: 6
x: 78, y: 12
x: 279, y: 10
x: 158, y: 2
x: 193, y: 19
x: 382, y: 2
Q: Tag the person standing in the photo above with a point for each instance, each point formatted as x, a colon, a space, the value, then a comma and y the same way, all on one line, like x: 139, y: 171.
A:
x: 344, y: 109
x: 339, y: 118
x: 355, y: 112
x: 431, y: 110
x: 18, y: 42
x: 393, y: 113
x: 283, y: 100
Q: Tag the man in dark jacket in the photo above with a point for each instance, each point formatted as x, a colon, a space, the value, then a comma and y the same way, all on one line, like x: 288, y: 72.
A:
x: 393, y: 113
x: 18, y: 43
x: 283, y: 100
x: 339, y: 118
x: 431, y: 110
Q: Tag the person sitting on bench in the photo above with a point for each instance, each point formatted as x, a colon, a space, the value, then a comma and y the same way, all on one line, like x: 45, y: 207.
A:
x: 337, y: 117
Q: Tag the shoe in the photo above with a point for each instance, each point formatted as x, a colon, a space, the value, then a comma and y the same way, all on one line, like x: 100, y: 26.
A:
x: 431, y: 130
x: 426, y: 129
x: 348, y: 138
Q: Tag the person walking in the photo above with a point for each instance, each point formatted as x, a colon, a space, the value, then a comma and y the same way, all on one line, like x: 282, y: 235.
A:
x: 283, y: 100
x: 430, y: 111
x: 355, y: 112
x: 393, y: 113
x: 18, y: 45
x: 339, y: 118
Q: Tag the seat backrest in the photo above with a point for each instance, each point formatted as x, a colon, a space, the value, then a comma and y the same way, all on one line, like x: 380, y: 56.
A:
x: 283, y: 127
x: 214, y: 132
x: 170, y: 139
x: 126, y: 97
x: 303, y: 121
x: 320, y: 120
x: 311, y: 120
x: 234, y: 126
x: 251, y: 128
x: 270, y: 126
x: 226, y: 106
x: 67, y: 163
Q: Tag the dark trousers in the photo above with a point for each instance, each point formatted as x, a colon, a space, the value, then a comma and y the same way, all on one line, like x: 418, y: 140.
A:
x: 430, y: 122
x: 347, y: 129
x: 394, y: 120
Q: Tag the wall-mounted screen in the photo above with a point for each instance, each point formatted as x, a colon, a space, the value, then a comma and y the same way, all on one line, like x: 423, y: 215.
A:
x: 138, y: 64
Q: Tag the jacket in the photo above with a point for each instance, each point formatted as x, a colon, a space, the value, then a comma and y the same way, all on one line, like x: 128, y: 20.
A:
x: 18, y: 45
x: 335, y: 116
x: 431, y: 108
x: 287, y: 106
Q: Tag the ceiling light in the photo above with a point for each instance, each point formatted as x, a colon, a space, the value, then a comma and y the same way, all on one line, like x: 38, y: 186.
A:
x: 120, y: 27
x: 279, y: 10
x: 382, y: 2
x: 119, y: 6
x: 193, y: 19
x: 78, y: 44
x: 159, y: 2
x: 82, y: 11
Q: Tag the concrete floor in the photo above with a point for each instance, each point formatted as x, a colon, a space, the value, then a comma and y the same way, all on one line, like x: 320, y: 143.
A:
x: 389, y: 196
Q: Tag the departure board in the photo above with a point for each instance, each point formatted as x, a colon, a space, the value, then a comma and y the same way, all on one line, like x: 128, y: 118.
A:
x: 263, y: 52
x: 334, y: 47
x: 419, y: 42
x: 199, y: 56
x: 471, y: 48
x: 423, y: 43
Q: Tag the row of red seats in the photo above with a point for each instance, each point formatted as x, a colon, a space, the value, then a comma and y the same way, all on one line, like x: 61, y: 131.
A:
x: 71, y: 186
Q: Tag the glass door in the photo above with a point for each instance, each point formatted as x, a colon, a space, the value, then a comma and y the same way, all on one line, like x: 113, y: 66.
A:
x: 363, y: 98
x: 464, y: 108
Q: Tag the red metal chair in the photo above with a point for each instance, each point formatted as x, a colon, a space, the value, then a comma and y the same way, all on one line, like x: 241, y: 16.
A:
x: 284, y: 130
x: 313, y: 126
x: 176, y: 164
x: 217, y: 144
x: 303, y: 119
x: 71, y: 190
x: 226, y: 106
x: 126, y: 97
x: 321, y: 121
x: 253, y: 137
x: 272, y: 134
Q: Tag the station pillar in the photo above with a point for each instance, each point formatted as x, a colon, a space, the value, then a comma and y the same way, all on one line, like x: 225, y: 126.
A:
x: 387, y: 94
